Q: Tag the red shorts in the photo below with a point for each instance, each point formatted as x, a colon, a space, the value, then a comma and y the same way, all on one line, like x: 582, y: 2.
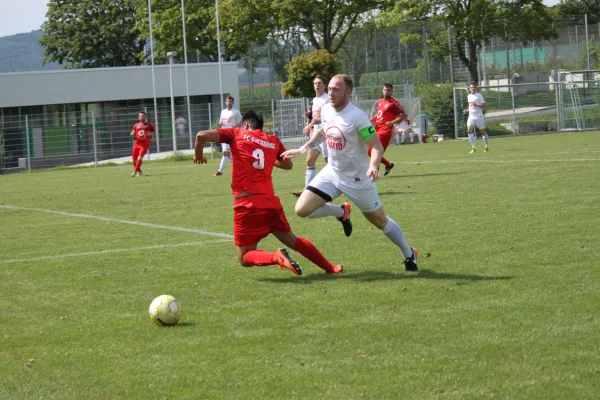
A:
x: 385, y: 140
x: 255, y: 217
x: 139, y: 150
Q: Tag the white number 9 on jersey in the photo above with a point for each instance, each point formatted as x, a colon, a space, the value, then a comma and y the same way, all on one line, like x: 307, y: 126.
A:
x: 260, y: 159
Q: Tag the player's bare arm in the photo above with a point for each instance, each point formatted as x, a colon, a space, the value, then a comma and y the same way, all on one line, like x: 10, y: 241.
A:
x: 284, y: 164
x: 211, y: 135
x: 132, y: 132
x: 376, y: 154
x: 399, y: 118
x: 315, y: 140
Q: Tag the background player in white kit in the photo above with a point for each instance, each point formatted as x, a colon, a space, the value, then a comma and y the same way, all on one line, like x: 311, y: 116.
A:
x: 321, y: 98
x: 348, y: 132
x: 476, y: 118
x: 230, y: 118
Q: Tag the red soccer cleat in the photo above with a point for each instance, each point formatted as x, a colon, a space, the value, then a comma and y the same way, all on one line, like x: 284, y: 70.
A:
x: 285, y: 261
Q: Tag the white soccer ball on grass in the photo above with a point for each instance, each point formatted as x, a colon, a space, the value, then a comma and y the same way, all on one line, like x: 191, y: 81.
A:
x: 165, y: 310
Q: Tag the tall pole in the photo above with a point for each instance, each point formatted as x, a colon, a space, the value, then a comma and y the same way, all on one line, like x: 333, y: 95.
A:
x: 187, y: 87
x: 156, y: 124
x: 219, y: 52
x: 587, y: 44
x: 171, y: 55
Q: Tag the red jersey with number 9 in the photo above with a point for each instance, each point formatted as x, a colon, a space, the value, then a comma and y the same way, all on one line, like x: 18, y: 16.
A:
x: 254, y: 154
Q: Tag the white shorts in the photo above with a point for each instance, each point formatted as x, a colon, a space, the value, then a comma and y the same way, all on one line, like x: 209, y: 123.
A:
x: 477, y: 122
x: 225, y: 147
x: 330, y: 186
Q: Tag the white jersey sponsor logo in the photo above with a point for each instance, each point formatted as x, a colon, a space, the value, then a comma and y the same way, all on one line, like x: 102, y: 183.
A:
x: 230, y: 118
x: 348, y: 156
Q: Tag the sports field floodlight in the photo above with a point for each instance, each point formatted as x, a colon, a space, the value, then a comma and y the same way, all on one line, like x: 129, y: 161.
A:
x: 171, y: 55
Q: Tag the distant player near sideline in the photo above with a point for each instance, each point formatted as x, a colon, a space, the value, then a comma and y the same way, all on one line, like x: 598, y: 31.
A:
x: 230, y: 118
x: 347, y: 131
x: 142, y: 133
x: 319, y: 101
x: 257, y: 212
x: 389, y: 113
x: 476, y: 118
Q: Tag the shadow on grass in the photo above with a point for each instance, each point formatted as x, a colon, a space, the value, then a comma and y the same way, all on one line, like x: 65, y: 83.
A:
x: 371, y: 276
x: 182, y: 324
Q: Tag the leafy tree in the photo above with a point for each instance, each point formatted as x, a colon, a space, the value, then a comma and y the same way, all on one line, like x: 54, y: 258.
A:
x: 91, y: 33
x: 477, y: 21
x: 571, y: 12
x: 326, y: 23
x: 242, y: 25
x: 303, y: 68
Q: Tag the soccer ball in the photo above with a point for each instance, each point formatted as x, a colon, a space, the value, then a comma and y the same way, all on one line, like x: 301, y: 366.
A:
x: 165, y: 310
x: 440, y: 139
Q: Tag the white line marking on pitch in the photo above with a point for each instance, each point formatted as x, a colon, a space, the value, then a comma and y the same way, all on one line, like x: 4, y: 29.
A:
x: 100, y: 252
x: 121, y: 221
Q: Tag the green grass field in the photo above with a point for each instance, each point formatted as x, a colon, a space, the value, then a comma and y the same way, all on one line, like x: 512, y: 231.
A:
x: 506, y: 306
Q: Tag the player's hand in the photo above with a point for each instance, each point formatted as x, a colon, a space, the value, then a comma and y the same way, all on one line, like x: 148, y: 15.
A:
x: 466, y: 111
x: 373, y: 173
x: 291, y: 153
x: 389, y: 123
x: 200, y: 159
x: 306, y: 130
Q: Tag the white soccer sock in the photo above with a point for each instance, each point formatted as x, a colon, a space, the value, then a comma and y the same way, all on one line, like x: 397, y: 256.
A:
x: 393, y: 231
x: 328, y: 210
x: 472, y: 139
x: 485, y: 140
x: 222, y: 164
x: 400, y: 138
x: 311, y: 172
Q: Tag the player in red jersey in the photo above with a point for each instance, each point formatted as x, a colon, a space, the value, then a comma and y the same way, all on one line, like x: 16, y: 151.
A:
x: 142, y: 133
x: 389, y: 113
x: 257, y: 212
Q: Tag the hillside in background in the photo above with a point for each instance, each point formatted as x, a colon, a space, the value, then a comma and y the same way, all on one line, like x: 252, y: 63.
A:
x: 22, y: 52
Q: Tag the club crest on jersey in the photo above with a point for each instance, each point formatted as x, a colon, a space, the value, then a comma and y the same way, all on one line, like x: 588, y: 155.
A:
x: 335, y: 138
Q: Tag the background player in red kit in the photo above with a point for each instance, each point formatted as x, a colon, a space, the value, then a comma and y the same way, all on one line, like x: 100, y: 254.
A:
x: 257, y: 212
x: 142, y: 132
x: 389, y: 113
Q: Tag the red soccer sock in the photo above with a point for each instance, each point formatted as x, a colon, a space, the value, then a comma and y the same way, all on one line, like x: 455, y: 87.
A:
x: 138, y: 164
x: 385, y: 162
x: 259, y: 258
x: 308, y: 250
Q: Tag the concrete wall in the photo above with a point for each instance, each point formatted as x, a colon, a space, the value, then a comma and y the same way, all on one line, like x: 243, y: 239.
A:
x: 111, y: 84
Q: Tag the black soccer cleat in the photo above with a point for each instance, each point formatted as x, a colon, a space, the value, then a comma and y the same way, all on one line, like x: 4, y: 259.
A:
x: 388, y: 169
x: 345, y: 219
x: 410, y: 264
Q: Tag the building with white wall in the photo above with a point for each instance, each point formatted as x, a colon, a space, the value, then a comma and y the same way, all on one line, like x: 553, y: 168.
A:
x: 62, y: 108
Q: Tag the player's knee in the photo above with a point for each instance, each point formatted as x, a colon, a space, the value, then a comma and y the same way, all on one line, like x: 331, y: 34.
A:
x: 301, y: 210
x: 226, y: 154
x: 242, y: 262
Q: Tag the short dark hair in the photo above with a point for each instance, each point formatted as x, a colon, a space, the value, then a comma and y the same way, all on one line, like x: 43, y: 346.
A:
x: 230, y: 97
x: 142, y: 112
x: 253, y: 119
x: 473, y: 83
x: 321, y: 78
x: 389, y: 86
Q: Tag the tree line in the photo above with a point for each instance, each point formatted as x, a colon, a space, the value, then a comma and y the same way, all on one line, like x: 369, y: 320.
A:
x: 107, y: 33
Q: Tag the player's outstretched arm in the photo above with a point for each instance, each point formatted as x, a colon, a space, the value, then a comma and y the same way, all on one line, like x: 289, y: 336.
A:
x: 315, y: 140
x: 202, y: 137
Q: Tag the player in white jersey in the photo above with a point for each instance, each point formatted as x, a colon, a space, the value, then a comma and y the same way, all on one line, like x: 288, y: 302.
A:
x: 348, y: 132
x: 313, y: 126
x: 476, y: 119
x: 230, y: 118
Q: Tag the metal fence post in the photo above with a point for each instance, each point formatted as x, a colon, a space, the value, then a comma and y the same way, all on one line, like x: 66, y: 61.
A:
x: 514, y: 118
x: 94, y: 138
x: 28, y: 145
x: 587, y: 44
x: 212, y: 154
x: 273, y: 116
x: 455, y: 114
